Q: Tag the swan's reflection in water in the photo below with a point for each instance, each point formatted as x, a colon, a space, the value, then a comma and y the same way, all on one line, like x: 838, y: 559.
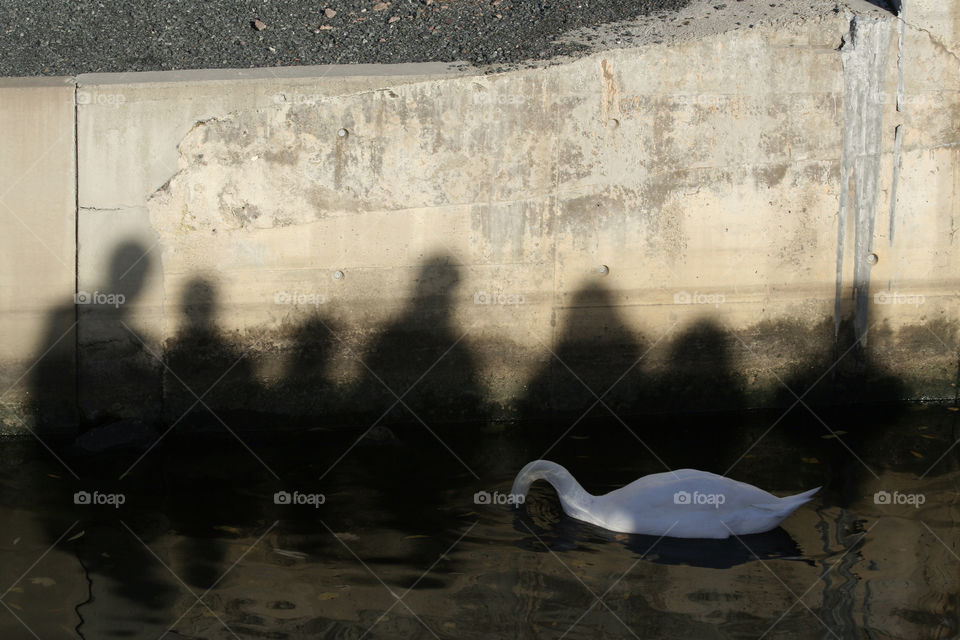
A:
x: 547, y: 526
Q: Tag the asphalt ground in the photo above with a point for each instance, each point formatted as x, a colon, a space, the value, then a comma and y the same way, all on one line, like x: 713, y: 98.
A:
x: 68, y: 37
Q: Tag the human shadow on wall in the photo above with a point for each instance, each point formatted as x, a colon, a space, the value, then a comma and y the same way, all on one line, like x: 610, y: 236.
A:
x: 95, y: 369
x: 407, y: 455
x: 306, y: 391
x: 53, y: 379
x: 118, y: 391
x: 119, y: 377
x: 121, y: 399
x: 596, y: 362
x: 421, y: 357
x: 206, y: 375
x: 640, y: 383
x: 849, y: 403
x: 699, y: 374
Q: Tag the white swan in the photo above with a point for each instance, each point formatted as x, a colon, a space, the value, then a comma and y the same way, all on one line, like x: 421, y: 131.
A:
x: 685, y: 503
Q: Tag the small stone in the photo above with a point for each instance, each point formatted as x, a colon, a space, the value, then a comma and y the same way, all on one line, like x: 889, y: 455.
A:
x: 258, y: 24
x: 394, y: 19
x: 324, y: 27
x: 329, y: 12
x: 271, y: 50
x: 380, y: 6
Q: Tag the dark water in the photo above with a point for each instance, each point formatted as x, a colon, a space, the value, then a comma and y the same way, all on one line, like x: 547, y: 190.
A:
x: 400, y: 549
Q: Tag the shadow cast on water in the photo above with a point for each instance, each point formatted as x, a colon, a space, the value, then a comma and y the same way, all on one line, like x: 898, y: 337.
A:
x: 418, y: 382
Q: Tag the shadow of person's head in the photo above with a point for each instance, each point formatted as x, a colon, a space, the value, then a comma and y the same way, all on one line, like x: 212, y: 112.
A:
x: 129, y: 266
x: 198, y: 303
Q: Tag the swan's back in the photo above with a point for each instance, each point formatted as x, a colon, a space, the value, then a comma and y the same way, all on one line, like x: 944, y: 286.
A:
x: 694, y: 504
x: 705, y: 489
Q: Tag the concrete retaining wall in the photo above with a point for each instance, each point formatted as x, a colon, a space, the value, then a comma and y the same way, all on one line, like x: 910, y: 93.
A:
x: 727, y: 222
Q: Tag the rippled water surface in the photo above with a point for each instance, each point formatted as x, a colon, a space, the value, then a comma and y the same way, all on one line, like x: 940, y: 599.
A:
x: 399, y: 548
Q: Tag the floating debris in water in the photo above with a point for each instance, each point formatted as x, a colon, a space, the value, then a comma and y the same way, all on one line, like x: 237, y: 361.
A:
x: 223, y: 527
x: 347, y: 536
x: 296, y: 555
x: 835, y: 434
x: 43, y: 582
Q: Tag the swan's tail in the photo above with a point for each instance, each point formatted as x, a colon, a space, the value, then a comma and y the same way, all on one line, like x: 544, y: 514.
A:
x: 783, y: 507
x: 800, y: 498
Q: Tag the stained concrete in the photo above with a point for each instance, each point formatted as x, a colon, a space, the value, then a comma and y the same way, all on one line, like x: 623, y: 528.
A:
x: 38, y: 254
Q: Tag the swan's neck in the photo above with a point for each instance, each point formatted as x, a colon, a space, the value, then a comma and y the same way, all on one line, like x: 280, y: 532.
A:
x: 576, y: 502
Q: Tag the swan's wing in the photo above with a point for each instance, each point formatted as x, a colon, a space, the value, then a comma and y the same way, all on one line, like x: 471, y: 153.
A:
x: 771, y: 507
x: 690, y: 488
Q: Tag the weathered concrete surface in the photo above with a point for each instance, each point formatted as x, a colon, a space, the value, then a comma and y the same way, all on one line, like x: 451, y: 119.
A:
x: 37, y: 248
x: 122, y: 164
x: 710, y: 224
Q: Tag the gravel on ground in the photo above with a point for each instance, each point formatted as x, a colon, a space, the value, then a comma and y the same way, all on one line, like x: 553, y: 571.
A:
x: 69, y: 37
